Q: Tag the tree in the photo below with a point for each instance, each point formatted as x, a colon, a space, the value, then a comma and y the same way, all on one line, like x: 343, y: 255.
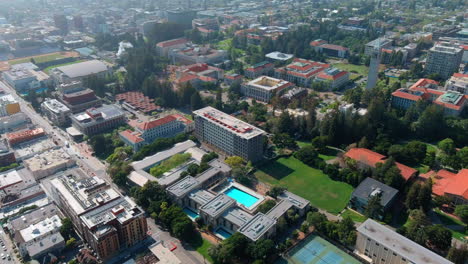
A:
x: 458, y: 255
x: 266, y: 206
x: 439, y: 237
x: 447, y: 145
x: 284, y: 140
x: 99, y: 144
x: 374, y: 208
x: 234, y: 161
x: 462, y: 212
x: 275, y: 191
x: 196, y: 101
x: 66, y: 230
x: 182, y: 227
x: 262, y: 249
x: 462, y: 155
x: 316, y: 219
x: 285, y: 123
x: 320, y: 143
x: 308, y: 155
x: 431, y: 124
x: 70, y: 243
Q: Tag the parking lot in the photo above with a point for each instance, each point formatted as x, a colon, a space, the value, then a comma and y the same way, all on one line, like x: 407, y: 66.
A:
x: 6, y: 249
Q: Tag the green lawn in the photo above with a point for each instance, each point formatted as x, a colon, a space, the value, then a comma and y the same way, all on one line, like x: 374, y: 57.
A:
x: 422, y: 168
x: 224, y: 44
x: 201, y: 246
x: 169, y: 164
x: 356, y: 217
x: 360, y: 69
x: 39, y: 59
x: 451, y: 221
x: 312, y: 184
x: 46, y: 70
x: 331, y: 153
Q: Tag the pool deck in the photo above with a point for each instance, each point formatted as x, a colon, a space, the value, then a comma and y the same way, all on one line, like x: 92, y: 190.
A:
x: 247, y: 190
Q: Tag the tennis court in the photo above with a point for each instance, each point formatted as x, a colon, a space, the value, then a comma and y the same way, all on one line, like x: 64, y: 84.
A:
x: 316, y: 250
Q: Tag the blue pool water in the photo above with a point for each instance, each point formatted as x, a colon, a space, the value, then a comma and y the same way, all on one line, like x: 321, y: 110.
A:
x: 223, y: 233
x: 191, y: 214
x: 241, y: 197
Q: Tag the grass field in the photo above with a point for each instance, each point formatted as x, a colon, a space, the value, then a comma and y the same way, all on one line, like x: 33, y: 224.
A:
x: 360, y: 69
x: 202, y: 246
x: 331, y: 153
x: 354, y: 216
x: 450, y: 221
x: 46, y: 70
x: 312, y: 184
x: 39, y: 59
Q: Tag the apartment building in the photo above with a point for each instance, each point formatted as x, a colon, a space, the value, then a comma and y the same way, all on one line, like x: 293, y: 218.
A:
x: 381, y: 245
x: 458, y: 83
x: 301, y: 72
x: 229, y: 134
x: 57, y: 112
x: 97, y: 120
x: 444, y: 60
x: 146, y: 132
x: 264, y: 88
x: 107, y: 221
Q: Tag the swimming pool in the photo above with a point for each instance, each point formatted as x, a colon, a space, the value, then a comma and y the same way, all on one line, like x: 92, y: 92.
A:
x: 241, y: 197
x: 191, y: 214
x: 316, y: 250
x: 222, y: 233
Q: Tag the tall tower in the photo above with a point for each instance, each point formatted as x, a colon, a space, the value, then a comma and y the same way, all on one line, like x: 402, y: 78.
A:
x: 374, y: 66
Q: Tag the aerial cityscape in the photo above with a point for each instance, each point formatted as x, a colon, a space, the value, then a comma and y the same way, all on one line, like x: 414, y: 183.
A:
x: 232, y: 132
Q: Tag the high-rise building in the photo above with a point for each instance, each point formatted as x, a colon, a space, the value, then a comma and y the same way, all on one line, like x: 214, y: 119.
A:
x: 61, y: 23
x: 107, y: 221
x: 229, y: 134
x: 443, y: 60
x: 373, y: 68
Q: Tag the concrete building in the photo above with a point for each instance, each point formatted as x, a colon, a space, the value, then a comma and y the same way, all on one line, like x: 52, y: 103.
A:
x: 301, y: 72
x: 233, y: 78
x: 183, y: 17
x: 229, y: 134
x: 368, y: 189
x: 264, y: 88
x: 57, y: 112
x: 48, y: 163
x: 146, y: 132
x: 296, y: 92
x: 21, y: 80
x: 443, y: 60
x: 194, y: 53
x: 34, y: 147
x: 375, y: 56
x: 381, y: 245
x: 15, y: 138
x: 97, y: 120
x: 333, y: 78
x: 107, y: 221
x: 260, y: 69
x: 11, y: 182
x: 277, y: 56
x: 13, y: 122
x: 78, y: 98
x: 458, y: 83
x: 331, y: 50
x: 79, y: 71
x: 377, y: 44
x: 8, y: 105
x: 7, y: 156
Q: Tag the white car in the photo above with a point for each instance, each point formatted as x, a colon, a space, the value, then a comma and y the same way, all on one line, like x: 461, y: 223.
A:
x: 3, y: 256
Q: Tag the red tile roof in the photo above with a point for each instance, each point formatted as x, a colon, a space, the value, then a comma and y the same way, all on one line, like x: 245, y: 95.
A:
x: 172, y: 42
x: 334, y: 47
x: 446, y: 182
x: 156, y: 123
x: 324, y: 75
x: 460, y: 75
x: 131, y: 136
x: 315, y: 43
x: 457, y: 107
x: 139, y: 101
x: 423, y: 82
x: 459, y: 185
x: 408, y: 96
x: 365, y: 156
x: 405, y: 171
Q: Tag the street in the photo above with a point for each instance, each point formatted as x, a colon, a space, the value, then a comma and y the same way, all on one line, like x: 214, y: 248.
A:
x: 8, y: 250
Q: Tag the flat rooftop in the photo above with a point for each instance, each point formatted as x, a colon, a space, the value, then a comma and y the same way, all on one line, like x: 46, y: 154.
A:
x: 201, y: 197
x: 32, y: 217
x: 218, y: 205
x: 268, y: 83
x: 184, y: 186
x: 42, y: 228
x: 48, y: 159
x: 296, y: 200
x: 55, y: 106
x: 9, y: 178
x: 82, y: 69
x: 279, y: 209
x: 257, y: 226
x: 237, y: 216
x: 408, y: 249
x: 229, y: 123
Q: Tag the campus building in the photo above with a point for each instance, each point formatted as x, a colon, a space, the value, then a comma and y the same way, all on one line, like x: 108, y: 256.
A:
x: 77, y: 97
x: 446, y: 183
x: 137, y: 101
x: 260, y: 69
x: 229, y: 134
x: 377, y: 44
x: 333, y: 78
x: 163, y: 48
x: 146, y: 132
x: 443, y: 60
x: 380, y: 245
x: 367, y: 158
x: 233, y: 78
x: 22, y: 80
x: 8, y: 105
x: 97, y: 120
x: 453, y: 102
x: 57, y: 112
x: 107, y: 221
x: 331, y: 50
x: 368, y: 189
x: 198, y: 74
x: 80, y: 71
x: 458, y: 83
x: 264, y: 88
x: 193, y: 54
x: 301, y: 72
x: 48, y: 163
